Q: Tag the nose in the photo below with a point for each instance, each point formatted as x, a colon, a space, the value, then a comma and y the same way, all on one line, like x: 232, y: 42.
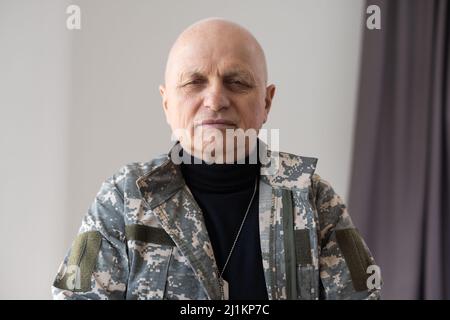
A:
x: 216, y: 97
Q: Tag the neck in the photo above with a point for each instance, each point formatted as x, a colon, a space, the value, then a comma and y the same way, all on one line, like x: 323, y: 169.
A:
x: 219, y: 177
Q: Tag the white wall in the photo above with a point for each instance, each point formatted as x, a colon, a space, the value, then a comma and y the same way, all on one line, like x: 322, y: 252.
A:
x: 76, y: 105
x: 35, y: 73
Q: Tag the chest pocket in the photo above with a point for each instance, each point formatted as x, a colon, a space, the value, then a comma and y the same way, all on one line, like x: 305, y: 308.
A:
x: 150, y: 250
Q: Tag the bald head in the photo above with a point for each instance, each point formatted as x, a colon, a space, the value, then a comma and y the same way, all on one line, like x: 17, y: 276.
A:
x: 215, y: 80
x: 211, y: 39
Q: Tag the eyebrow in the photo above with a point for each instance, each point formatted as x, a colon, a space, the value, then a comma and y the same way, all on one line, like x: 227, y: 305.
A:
x: 190, y: 74
x: 236, y: 73
x: 232, y: 73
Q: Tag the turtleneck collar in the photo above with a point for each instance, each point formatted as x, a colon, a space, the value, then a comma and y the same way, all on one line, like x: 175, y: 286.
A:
x: 219, y: 178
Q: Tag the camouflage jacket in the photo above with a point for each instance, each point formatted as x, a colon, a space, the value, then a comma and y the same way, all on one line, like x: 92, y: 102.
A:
x: 144, y: 237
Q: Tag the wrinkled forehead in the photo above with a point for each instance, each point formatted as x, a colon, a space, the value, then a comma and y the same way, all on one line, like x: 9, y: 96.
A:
x: 215, y: 57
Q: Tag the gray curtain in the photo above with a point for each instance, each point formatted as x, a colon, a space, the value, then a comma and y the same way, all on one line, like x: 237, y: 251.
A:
x: 401, y: 172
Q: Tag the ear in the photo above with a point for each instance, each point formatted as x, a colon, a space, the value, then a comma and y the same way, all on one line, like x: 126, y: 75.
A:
x: 163, y: 93
x: 270, y: 93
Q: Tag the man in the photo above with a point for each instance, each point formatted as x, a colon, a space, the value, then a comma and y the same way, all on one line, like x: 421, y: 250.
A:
x: 167, y: 229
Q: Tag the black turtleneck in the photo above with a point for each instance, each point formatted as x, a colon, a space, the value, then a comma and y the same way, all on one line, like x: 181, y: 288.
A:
x: 223, y: 192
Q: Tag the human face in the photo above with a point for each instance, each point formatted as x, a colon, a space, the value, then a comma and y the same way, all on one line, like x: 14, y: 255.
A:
x: 211, y: 85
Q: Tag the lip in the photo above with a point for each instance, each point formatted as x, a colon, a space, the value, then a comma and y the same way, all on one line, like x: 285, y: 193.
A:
x: 217, y: 123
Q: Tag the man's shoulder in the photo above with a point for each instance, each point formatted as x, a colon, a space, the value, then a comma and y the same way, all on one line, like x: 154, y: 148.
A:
x: 127, y: 175
x: 288, y: 170
x: 293, y: 160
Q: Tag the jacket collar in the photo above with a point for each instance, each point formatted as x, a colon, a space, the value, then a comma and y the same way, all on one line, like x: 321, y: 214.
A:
x: 279, y: 169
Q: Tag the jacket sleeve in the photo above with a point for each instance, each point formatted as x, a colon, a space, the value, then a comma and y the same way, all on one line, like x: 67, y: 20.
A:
x: 347, y: 268
x: 96, y: 266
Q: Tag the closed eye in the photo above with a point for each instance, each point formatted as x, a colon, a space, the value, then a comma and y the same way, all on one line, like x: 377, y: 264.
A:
x: 238, y: 83
x: 195, y: 81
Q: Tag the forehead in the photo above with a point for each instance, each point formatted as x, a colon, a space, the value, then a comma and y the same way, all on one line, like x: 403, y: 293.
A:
x: 214, y: 58
x: 222, y: 70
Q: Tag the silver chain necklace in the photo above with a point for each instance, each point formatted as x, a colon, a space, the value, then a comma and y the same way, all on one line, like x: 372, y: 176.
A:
x: 224, y: 288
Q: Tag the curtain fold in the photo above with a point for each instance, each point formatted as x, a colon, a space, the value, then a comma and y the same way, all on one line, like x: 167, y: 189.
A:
x: 400, y: 178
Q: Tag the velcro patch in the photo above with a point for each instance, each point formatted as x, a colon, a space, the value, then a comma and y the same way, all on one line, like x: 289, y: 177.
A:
x: 148, y: 234
x: 303, y: 247
x: 83, y: 256
x: 355, y: 255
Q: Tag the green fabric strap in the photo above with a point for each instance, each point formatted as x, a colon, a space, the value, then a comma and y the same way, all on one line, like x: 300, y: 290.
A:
x: 289, y: 245
x: 81, y: 263
x: 148, y: 234
x: 355, y: 255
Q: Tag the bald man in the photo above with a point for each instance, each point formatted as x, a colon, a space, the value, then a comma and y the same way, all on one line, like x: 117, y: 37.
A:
x: 218, y: 216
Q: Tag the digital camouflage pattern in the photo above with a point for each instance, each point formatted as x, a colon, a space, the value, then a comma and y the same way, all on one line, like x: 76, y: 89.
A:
x: 144, y: 238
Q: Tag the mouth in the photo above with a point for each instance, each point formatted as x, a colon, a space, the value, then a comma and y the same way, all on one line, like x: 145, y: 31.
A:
x: 217, y: 123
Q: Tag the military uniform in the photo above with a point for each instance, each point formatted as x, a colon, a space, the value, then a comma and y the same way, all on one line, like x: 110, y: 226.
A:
x: 144, y: 237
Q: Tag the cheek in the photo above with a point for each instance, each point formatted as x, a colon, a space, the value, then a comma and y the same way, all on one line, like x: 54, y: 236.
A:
x: 184, y: 109
x: 251, y: 112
